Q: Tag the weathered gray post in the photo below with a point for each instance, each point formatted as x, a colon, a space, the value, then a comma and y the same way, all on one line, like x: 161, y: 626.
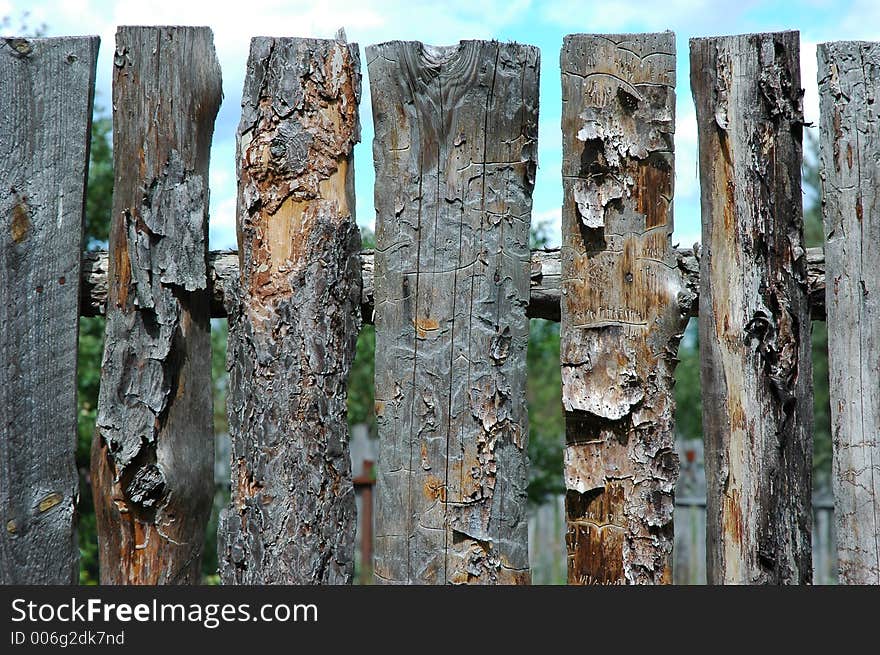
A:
x: 754, y: 309
x: 46, y: 109
x: 849, y: 81
x: 456, y: 137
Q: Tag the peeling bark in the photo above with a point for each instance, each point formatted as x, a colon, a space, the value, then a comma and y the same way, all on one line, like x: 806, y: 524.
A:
x: 625, y: 304
x: 46, y: 104
x: 294, y: 324
x: 152, y: 455
x: 455, y: 147
x: 849, y: 79
x: 754, y: 309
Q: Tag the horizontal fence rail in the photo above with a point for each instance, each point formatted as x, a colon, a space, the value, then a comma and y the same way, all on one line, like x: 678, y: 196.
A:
x: 544, y: 289
x: 449, y: 288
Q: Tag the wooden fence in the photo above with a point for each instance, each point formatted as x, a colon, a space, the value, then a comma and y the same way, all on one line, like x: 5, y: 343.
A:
x: 450, y: 288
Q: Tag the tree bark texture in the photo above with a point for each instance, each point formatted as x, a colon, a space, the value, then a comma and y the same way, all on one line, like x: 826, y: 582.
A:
x: 625, y: 305
x: 46, y: 104
x: 754, y: 309
x: 152, y: 455
x: 293, y: 328
x: 849, y: 80
x: 455, y: 155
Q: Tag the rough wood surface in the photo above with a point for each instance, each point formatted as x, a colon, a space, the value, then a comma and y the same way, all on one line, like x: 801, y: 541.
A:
x: 756, y: 372
x: 46, y: 104
x: 152, y: 455
x: 455, y: 147
x: 849, y: 80
x: 293, y: 329
x: 544, y: 290
x: 625, y: 305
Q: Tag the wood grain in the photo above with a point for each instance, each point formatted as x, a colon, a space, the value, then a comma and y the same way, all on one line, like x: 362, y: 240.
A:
x: 46, y: 104
x: 849, y: 80
x: 455, y: 148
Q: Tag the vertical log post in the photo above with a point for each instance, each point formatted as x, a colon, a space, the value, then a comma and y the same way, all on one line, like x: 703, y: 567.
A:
x: 152, y: 455
x: 455, y: 147
x: 756, y: 373
x: 849, y: 81
x: 292, y: 335
x: 46, y: 105
x: 624, y: 306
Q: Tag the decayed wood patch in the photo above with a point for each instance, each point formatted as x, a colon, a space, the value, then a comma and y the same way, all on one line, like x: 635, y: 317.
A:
x: 625, y: 304
x: 294, y: 318
x: 46, y: 104
x: 152, y: 455
x: 849, y: 80
x: 456, y: 137
x: 754, y: 309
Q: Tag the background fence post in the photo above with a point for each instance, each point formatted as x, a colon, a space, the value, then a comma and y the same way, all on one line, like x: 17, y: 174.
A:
x: 46, y: 104
x: 455, y: 148
x: 849, y: 81
x: 152, y: 455
x: 754, y: 309
x: 293, y: 332
x: 624, y: 306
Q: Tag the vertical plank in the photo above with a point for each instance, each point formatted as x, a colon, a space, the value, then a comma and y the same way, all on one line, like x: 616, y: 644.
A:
x: 152, y: 455
x: 754, y: 309
x: 292, y: 336
x: 624, y: 306
x: 849, y: 80
x: 455, y: 146
x: 46, y: 104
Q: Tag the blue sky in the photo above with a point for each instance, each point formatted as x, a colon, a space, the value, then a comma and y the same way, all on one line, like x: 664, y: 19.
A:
x: 537, y: 23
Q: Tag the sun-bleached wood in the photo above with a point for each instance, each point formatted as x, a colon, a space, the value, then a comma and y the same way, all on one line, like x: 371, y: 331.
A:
x: 849, y: 81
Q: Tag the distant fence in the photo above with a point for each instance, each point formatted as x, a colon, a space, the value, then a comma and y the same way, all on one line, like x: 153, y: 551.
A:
x: 450, y: 287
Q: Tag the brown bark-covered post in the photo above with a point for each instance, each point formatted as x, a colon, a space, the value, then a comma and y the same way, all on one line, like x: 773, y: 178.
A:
x: 152, y: 455
x: 46, y: 108
x: 849, y: 81
x: 455, y: 148
x: 293, y: 331
x: 756, y: 373
x: 624, y: 306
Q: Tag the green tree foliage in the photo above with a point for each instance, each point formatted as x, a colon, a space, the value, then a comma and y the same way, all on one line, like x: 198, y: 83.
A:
x: 361, y: 401
x: 91, y: 336
x: 544, y: 397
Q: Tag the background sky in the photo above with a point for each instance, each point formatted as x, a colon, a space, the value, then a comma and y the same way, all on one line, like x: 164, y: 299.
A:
x: 443, y: 22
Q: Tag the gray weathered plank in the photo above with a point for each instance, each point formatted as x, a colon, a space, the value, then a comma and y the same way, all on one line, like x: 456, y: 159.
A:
x: 849, y: 80
x: 754, y: 313
x: 294, y: 327
x: 152, y: 455
x: 625, y: 305
x: 46, y: 92
x: 455, y: 147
